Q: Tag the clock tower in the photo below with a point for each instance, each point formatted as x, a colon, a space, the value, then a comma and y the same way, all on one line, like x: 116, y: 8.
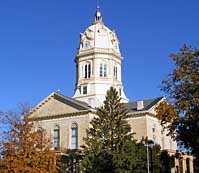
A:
x: 98, y: 64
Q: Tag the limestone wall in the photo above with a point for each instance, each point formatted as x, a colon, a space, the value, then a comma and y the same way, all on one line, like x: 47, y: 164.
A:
x: 65, y: 125
x: 149, y: 126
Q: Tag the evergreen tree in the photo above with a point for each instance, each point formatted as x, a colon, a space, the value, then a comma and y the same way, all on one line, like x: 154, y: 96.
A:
x: 154, y: 152
x: 155, y: 159
x: 109, y: 140
x: 140, y: 165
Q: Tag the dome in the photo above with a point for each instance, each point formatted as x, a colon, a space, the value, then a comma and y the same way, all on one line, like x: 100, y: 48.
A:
x: 98, y: 36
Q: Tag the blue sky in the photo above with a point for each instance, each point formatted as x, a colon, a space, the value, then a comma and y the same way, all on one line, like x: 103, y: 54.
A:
x: 39, y: 41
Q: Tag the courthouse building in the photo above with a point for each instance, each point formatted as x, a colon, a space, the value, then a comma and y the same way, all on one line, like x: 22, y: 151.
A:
x: 98, y: 67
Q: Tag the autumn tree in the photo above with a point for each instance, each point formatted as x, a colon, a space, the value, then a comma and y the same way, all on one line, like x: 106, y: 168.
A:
x: 180, y: 114
x: 24, y: 148
x: 109, y: 139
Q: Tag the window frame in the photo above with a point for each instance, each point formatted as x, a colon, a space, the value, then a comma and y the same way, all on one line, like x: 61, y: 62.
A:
x: 103, y: 70
x: 56, y: 138
x: 84, y: 90
x: 87, y: 70
x: 115, y: 72
x: 74, y: 136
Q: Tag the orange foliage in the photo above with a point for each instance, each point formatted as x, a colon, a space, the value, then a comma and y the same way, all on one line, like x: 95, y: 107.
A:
x: 26, y: 149
x: 168, y: 116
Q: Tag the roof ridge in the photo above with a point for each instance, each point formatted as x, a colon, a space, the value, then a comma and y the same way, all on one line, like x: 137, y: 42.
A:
x: 80, y: 103
x: 160, y: 97
x: 148, y: 104
x: 155, y: 100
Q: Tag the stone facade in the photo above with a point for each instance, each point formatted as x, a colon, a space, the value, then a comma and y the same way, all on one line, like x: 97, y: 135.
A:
x: 148, y: 126
x: 61, y: 111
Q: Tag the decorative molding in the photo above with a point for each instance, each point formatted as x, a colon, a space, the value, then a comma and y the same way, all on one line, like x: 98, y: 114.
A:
x: 140, y: 114
x: 93, y: 51
x: 73, y: 114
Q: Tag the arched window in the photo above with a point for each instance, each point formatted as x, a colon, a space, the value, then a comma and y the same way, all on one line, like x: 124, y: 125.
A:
x: 87, y: 70
x: 103, y: 70
x: 74, y: 136
x: 56, y: 137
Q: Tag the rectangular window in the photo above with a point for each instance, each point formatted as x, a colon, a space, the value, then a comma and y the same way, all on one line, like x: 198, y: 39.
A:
x: 74, y: 138
x: 105, y: 70
x: 115, y: 72
x: 89, y: 70
x: 84, y: 89
x: 101, y: 70
x: 85, y: 71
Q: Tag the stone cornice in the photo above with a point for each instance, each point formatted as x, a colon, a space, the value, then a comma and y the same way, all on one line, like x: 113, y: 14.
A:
x: 99, y: 80
x: 140, y: 114
x: 93, y: 51
x: 73, y: 114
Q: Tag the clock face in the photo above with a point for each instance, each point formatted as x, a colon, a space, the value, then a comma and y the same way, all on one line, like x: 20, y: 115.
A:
x: 87, y: 44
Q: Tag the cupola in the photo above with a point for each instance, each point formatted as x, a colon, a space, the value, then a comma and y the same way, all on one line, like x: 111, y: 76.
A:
x: 98, y: 63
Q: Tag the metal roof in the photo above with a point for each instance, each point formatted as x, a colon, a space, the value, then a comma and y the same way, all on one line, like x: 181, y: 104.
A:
x: 149, y: 103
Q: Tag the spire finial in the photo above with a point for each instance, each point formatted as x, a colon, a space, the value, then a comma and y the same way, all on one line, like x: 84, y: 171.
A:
x: 98, y: 16
x: 97, y: 7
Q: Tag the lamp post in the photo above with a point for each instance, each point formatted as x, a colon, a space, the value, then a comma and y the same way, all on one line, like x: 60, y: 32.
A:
x: 148, y: 159
x: 147, y: 153
x: 151, y: 158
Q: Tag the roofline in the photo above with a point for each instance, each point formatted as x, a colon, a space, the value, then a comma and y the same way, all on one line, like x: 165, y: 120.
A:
x: 59, y: 95
x: 148, y: 108
x: 160, y: 99
x: 72, y: 100
x: 41, y: 103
